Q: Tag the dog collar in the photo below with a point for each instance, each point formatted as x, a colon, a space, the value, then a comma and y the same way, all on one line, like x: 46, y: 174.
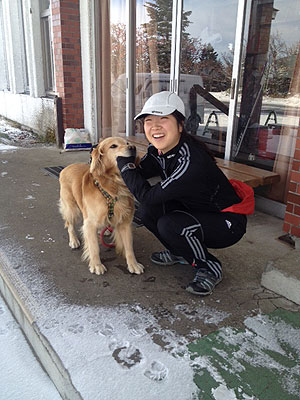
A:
x: 109, y: 200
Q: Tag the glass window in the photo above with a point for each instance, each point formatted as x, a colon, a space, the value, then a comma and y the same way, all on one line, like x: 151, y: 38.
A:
x: 23, y: 44
x: 207, y: 42
x: 47, y: 45
x: 269, y: 108
x: 153, y: 50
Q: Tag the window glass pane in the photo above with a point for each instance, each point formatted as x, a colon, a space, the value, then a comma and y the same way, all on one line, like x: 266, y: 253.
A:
x: 208, y: 34
x: 25, y: 61
x: 44, y: 5
x: 48, y: 54
x: 153, y: 50
x: 269, y: 107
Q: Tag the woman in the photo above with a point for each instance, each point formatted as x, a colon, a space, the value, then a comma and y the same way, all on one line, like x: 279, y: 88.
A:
x: 187, y: 210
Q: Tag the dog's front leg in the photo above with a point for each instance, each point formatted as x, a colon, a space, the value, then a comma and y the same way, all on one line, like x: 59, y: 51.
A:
x: 123, y: 235
x: 91, y: 250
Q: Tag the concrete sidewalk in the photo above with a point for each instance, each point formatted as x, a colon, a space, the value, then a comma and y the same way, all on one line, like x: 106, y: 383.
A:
x: 127, y: 337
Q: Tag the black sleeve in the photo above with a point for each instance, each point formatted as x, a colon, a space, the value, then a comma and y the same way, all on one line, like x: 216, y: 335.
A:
x: 149, y: 166
x: 180, y: 184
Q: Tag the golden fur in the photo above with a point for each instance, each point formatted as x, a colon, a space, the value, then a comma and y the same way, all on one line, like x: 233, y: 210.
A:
x: 80, y: 196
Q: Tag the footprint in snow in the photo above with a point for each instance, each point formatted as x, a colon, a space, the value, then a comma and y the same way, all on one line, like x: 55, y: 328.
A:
x: 76, y: 328
x: 106, y: 330
x: 157, y: 371
x: 50, y: 323
x: 126, y: 354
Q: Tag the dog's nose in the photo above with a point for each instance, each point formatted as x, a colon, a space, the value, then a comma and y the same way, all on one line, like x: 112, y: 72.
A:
x: 131, y: 147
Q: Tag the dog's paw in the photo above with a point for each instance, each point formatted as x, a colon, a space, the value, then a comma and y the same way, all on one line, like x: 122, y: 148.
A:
x: 136, y: 268
x: 98, y: 269
x: 74, y: 243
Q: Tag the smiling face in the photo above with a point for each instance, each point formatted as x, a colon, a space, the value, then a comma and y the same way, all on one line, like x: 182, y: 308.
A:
x: 163, y: 132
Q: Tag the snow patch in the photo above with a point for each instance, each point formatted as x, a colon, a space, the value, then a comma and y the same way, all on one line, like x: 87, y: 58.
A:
x: 5, y: 147
x: 222, y: 393
x: 21, y: 377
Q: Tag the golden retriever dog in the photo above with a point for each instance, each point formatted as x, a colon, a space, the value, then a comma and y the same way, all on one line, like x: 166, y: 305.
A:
x: 98, y: 193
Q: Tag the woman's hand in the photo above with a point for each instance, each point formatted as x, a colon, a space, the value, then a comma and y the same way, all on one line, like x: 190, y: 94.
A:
x: 125, y: 163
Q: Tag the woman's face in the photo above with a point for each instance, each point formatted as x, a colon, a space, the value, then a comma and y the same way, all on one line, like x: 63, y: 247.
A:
x: 163, y: 132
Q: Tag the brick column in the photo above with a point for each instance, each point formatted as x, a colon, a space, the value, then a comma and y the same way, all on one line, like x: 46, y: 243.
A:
x: 67, y: 60
x: 292, y: 215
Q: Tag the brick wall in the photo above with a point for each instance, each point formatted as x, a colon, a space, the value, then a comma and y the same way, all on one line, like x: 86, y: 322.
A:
x: 67, y: 59
x: 292, y: 215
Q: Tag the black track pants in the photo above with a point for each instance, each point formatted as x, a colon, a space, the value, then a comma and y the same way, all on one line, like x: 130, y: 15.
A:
x: 190, y: 234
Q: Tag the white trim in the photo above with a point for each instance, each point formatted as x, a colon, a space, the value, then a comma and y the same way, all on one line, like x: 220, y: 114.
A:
x: 235, y: 82
x: 33, y: 39
x: 130, y: 65
x: 88, y: 34
x: 176, y: 45
x: 4, y: 84
x: 14, y: 45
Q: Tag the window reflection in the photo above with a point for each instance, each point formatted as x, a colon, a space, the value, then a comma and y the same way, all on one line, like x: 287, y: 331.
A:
x: 153, y: 50
x: 269, y: 109
x: 206, y: 68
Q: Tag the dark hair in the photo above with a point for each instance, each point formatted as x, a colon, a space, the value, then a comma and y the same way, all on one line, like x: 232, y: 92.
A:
x: 193, y: 138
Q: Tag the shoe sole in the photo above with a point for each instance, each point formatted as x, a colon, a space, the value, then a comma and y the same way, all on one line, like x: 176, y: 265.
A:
x: 168, y: 263
x: 191, y: 290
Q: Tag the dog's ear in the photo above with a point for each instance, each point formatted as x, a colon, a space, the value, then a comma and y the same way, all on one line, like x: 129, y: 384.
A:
x: 91, y: 150
x: 95, y: 160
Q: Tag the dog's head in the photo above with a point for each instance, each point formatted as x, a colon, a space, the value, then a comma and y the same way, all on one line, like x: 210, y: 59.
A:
x: 104, y: 155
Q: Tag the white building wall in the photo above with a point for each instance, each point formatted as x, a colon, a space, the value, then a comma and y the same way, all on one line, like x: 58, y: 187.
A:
x: 36, y: 113
x: 31, y: 110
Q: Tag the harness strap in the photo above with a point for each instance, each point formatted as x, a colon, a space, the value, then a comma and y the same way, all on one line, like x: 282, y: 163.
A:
x: 109, y: 200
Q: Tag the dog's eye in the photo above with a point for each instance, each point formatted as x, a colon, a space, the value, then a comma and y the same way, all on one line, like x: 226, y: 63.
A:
x: 113, y: 146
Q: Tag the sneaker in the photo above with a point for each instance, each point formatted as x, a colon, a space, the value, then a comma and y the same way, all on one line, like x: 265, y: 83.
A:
x: 166, y: 258
x: 203, y: 283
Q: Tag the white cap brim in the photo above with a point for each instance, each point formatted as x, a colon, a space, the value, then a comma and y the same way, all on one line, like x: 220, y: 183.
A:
x: 160, y: 111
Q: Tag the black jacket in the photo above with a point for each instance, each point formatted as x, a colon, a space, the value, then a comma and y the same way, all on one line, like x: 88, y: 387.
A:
x: 190, y: 179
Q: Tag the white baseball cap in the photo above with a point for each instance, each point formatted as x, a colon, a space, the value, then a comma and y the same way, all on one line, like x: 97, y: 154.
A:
x: 162, y: 103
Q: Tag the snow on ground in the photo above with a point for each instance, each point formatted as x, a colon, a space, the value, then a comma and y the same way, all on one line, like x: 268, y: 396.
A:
x: 11, y: 135
x: 113, y: 352
x: 269, y: 103
x: 22, y: 377
x: 7, y: 147
x: 292, y: 101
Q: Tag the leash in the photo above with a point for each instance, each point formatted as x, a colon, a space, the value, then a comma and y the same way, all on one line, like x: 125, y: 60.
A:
x: 110, y: 229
